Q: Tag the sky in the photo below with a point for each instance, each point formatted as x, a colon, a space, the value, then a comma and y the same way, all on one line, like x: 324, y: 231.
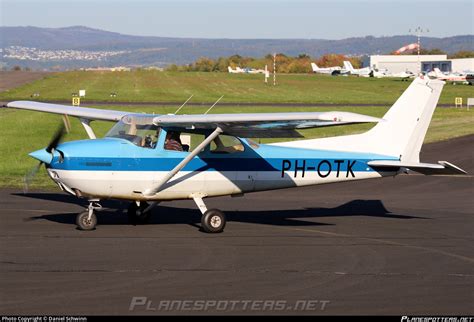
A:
x: 317, y: 19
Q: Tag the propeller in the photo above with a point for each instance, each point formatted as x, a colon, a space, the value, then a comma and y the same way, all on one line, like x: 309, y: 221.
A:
x: 53, y: 143
x: 60, y: 132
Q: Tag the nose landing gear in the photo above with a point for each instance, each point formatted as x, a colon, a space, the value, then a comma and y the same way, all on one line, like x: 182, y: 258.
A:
x: 87, y: 220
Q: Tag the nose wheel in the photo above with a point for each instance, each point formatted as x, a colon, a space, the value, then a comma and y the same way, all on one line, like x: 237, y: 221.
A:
x: 87, y: 220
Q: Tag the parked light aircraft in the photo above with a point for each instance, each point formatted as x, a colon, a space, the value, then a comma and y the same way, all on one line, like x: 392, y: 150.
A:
x: 141, y: 159
x: 336, y: 70
x: 438, y: 74
x: 405, y: 76
x: 362, y: 72
x: 369, y: 72
x: 246, y: 70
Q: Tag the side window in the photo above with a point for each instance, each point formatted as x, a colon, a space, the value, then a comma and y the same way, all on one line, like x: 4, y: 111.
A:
x: 182, y: 141
x: 225, y: 144
x: 149, y: 138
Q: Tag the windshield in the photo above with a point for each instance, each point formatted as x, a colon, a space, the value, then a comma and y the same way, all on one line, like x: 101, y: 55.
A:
x: 137, y: 129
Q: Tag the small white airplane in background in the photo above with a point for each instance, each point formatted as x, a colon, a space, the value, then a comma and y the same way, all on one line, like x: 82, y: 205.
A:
x: 451, y: 77
x: 246, y: 70
x: 143, y: 159
x: 404, y: 75
x: 336, y: 70
x: 361, y: 72
x: 368, y: 72
x: 237, y: 70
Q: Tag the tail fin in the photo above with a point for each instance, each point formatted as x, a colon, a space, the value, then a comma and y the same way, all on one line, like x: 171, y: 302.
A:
x: 438, y: 72
x: 402, y: 133
x: 314, y: 67
x: 348, y: 66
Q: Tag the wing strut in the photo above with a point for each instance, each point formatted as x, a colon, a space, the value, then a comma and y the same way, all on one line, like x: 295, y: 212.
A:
x: 87, y: 126
x: 182, y: 164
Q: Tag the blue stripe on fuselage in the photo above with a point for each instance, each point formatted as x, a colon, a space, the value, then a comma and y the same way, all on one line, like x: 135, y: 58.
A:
x: 210, y: 164
x: 107, y: 155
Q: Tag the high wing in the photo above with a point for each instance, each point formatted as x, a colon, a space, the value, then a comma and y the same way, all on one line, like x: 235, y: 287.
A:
x: 81, y: 112
x: 275, y: 125
x: 262, y: 124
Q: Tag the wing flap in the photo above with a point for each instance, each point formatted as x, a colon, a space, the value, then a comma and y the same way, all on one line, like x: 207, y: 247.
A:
x: 442, y: 168
x: 82, y: 112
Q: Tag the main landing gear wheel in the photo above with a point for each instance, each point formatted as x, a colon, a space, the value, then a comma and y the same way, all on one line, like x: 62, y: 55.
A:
x: 137, y: 214
x: 83, y: 221
x: 213, y: 221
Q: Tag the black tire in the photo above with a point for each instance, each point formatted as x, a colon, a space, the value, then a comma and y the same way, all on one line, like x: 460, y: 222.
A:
x: 213, y: 221
x: 83, y: 223
x: 137, y: 215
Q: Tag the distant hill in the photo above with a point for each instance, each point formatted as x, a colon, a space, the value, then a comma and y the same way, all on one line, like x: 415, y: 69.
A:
x: 163, y: 51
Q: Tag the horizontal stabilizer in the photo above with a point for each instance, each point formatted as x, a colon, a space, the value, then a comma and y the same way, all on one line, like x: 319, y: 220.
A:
x: 442, y: 168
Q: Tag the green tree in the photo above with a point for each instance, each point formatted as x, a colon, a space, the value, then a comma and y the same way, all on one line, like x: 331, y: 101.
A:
x: 462, y: 54
x: 434, y: 51
x: 204, y: 64
x: 172, y: 68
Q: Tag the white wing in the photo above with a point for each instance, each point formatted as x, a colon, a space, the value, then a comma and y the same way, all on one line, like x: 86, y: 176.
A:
x: 262, y: 124
x: 244, y: 125
x: 82, y: 112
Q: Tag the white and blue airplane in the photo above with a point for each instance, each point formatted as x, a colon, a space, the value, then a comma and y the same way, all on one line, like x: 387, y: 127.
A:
x: 135, y: 161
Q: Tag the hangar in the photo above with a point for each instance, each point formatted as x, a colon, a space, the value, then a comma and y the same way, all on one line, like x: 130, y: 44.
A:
x: 403, y: 63
x: 400, y: 63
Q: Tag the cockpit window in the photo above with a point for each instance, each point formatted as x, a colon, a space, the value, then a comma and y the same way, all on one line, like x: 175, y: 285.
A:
x: 252, y: 143
x: 139, y: 130
x: 182, y: 141
x: 224, y: 144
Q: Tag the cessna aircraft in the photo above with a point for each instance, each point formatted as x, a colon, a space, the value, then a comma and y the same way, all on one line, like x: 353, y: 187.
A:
x: 336, y: 70
x: 362, y: 72
x: 141, y: 158
x: 245, y: 70
x: 454, y: 78
x: 405, y: 76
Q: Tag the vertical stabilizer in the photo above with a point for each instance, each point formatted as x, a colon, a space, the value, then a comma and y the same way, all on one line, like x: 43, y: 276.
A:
x: 348, y: 66
x: 402, y: 132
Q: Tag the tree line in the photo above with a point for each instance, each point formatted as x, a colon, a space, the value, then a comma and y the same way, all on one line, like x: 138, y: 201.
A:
x: 285, y: 64
x: 289, y: 64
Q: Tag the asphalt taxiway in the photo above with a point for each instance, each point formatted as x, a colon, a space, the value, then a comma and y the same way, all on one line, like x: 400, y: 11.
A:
x: 399, y: 245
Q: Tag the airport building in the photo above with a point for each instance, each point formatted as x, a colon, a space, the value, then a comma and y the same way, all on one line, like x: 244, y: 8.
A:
x: 413, y: 63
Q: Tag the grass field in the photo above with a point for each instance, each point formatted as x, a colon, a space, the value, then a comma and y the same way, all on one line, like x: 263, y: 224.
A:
x: 23, y: 132
x: 155, y: 86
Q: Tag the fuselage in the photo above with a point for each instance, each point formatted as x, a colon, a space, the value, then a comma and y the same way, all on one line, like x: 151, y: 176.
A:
x: 117, y: 168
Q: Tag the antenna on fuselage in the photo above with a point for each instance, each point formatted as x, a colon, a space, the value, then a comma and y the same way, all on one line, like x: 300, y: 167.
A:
x: 183, y: 104
x: 210, y: 108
